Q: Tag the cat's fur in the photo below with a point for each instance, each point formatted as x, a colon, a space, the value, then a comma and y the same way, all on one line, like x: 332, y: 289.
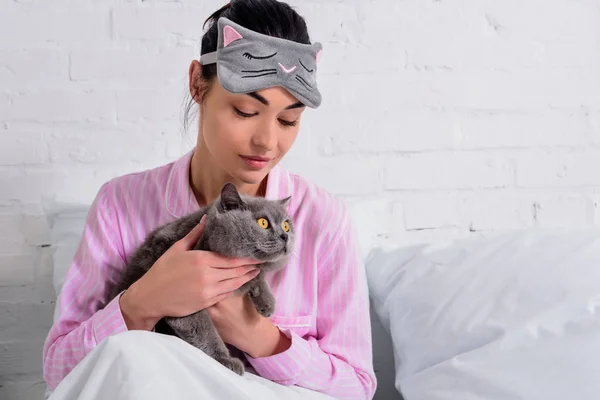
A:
x: 231, y: 230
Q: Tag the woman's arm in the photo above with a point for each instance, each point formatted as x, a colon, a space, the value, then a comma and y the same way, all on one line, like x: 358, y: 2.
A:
x: 339, y: 361
x: 179, y: 283
x: 82, y: 322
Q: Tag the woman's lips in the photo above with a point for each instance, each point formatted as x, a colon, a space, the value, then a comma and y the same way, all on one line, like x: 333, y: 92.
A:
x: 256, y: 162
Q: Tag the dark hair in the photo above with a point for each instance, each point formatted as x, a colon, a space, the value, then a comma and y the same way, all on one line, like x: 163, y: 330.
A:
x: 269, y: 17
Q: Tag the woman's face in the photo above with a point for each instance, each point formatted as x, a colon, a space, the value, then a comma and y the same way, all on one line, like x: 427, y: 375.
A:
x: 248, y: 134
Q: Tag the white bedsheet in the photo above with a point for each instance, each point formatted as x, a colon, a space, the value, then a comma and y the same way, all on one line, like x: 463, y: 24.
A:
x: 143, y: 365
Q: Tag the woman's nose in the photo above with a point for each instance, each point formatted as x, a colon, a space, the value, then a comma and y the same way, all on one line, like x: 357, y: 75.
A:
x: 266, y: 138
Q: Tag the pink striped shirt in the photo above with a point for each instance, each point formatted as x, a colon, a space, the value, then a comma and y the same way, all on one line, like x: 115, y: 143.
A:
x: 321, y: 295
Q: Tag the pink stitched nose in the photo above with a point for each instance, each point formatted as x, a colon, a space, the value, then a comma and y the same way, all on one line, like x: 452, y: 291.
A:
x: 287, y: 71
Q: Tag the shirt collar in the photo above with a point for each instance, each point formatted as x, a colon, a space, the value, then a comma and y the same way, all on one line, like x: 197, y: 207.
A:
x: 180, y: 199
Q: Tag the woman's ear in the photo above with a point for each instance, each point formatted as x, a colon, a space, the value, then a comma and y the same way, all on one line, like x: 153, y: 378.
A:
x: 196, y: 82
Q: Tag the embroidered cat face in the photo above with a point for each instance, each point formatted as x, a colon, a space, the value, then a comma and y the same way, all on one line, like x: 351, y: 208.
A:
x: 248, y: 61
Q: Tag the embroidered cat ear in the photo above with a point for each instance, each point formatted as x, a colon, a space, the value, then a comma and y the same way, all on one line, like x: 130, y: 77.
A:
x: 230, y: 198
x: 318, y: 49
x: 230, y: 35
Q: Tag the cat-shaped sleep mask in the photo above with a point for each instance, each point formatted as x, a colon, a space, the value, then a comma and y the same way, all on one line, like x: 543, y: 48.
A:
x: 248, y: 61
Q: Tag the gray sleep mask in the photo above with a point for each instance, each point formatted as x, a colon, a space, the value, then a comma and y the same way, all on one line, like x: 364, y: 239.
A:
x: 248, y: 61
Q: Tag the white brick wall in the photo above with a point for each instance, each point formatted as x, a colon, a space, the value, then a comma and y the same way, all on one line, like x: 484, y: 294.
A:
x: 440, y: 118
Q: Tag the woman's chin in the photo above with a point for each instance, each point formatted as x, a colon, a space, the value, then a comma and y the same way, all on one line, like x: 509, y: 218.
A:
x: 251, y: 177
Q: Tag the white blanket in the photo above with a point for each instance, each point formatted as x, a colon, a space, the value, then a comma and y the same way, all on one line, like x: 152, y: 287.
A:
x: 144, y: 365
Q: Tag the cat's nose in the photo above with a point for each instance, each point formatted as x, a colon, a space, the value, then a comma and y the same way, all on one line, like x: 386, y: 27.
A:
x: 287, y: 70
x: 284, y: 236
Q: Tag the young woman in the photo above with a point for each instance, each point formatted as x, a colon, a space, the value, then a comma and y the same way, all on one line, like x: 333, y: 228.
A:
x: 319, y: 337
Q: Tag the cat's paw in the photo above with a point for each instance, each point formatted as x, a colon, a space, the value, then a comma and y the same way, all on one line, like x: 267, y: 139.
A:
x: 234, y: 364
x: 265, y: 308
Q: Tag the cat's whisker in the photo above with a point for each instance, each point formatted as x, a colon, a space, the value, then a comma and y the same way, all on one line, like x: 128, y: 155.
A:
x: 263, y: 244
x: 259, y: 241
x: 258, y: 75
x: 293, y: 253
x: 258, y: 71
x: 303, y: 81
x: 256, y: 254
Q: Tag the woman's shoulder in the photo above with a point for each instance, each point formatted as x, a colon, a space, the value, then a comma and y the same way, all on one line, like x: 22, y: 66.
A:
x: 319, y: 210
x: 320, y: 201
x: 131, y: 187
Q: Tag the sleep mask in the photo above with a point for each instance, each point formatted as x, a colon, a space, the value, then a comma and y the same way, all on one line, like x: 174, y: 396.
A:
x: 248, y: 61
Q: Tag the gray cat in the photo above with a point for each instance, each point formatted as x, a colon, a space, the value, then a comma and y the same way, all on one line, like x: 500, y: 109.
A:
x: 236, y: 226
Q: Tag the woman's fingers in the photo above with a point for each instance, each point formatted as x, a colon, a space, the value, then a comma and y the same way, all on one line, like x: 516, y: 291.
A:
x: 220, y: 297
x: 230, y: 273
x: 232, y: 284
x: 217, y: 261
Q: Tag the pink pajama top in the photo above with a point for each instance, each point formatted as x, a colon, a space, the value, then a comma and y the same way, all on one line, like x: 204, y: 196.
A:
x: 321, y: 295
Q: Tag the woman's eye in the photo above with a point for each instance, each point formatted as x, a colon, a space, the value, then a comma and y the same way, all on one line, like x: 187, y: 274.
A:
x: 288, y: 123
x: 243, y: 114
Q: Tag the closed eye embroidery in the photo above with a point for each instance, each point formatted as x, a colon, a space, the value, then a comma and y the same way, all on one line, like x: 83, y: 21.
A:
x: 250, y: 56
x: 309, y: 70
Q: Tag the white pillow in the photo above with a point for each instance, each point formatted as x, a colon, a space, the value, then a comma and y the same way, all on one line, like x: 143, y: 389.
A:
x: 510, y: 316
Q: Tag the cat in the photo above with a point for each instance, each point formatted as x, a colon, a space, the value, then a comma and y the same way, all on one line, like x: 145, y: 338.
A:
x: 237, y: 226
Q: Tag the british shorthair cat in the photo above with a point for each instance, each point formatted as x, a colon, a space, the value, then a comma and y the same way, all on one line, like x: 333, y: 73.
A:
x: 237, y: 226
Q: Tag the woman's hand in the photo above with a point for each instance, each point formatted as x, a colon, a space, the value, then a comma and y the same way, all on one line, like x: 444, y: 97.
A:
x: 240, y: 325
x: 182, y: 282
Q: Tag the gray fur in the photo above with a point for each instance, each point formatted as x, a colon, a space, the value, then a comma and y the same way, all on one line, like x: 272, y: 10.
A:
x: 231, y: 230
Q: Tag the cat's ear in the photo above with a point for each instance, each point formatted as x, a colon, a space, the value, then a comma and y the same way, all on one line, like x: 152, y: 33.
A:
x: 318, y: 49
x: 230, y: 198
x: 285, y: 202
x: 230, y: 35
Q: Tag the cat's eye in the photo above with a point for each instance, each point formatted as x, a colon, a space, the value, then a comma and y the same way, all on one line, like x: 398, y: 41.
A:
x: 285, y: 226
x: 251, y: 56
x: 263, y: 223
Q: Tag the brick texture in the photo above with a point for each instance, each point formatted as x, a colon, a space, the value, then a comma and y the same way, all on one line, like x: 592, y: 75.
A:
x: 440, y: 119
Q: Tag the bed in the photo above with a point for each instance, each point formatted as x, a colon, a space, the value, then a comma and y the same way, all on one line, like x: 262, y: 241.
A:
x: 510, y: 315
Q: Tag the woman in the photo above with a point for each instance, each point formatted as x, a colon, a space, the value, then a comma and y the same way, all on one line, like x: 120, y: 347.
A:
x: 319, y: 337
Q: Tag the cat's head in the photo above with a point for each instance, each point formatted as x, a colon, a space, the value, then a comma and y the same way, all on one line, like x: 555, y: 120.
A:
x: 249, y: 61
x: 246, y: 226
